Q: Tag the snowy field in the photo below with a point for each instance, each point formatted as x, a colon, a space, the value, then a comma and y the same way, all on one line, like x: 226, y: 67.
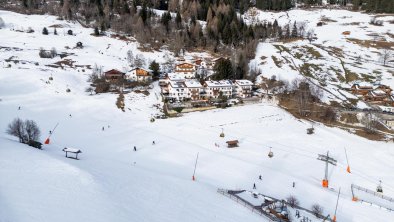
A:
x: 111, y: 182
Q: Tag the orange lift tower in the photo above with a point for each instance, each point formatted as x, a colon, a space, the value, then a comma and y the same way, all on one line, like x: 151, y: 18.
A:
x: 328, y: 160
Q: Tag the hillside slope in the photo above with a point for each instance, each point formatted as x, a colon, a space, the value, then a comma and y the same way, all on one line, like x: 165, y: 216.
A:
x: 111, y: 182
x: 347, y: 49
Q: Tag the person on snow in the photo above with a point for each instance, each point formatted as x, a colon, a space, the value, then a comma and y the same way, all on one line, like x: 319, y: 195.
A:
x: 254, y: 186
x: 70, y: 115
x: 293, y: 184
x: 135, y: 148
x: 50, y: 132
x: 103, y: 128
x: 153, y: 143
x: 19, y: 108
x: 260, y: 177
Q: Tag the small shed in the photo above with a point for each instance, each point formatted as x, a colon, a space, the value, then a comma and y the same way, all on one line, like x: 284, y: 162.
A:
x: 232, y: 143
x: 72, y: 150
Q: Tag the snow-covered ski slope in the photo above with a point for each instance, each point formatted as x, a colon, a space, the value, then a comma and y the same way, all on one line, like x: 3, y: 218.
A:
x: 111, y: 182
x: 344, y: 51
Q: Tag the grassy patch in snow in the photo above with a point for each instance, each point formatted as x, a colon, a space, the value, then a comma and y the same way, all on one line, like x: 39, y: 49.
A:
x: 282, y: 48
x: 338, y: 73
x: 350, y: 76
x: 298, y: 55
x: 277, y: 62
x: 313, y: 52
x: 368, y: 78
x: 371, y: 43
x: 349, y: 118
x: 307, y: 69
x: 326, y: 19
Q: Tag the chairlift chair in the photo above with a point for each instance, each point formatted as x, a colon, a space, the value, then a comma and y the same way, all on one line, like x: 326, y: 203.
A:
x: 222, y: 134
x: 270, y: 154
x: 379, y: 187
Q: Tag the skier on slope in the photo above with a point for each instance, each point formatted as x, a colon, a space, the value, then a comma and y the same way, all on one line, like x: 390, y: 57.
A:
x: 254, y: 186
x: 135, y: 148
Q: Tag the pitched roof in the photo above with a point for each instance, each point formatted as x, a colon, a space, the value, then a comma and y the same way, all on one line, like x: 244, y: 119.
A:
x: 378, y: 92
x: 193, y: 83
x: 177, y: 84
x: 243, y: 82
x: 141, y: 72
x: 221, y: 83
x: 175, y: 76
x: 114, y: 72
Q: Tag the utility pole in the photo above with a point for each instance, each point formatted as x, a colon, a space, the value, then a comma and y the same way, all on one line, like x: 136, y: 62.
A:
x: 328, y: 160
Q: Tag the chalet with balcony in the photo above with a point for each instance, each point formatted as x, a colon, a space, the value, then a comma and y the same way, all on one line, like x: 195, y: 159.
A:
x: 214, y: 89
x: 139, y: 75
x: 114, y: 75
x: 186, y: 69
x: 361, y: 89
x: 194, y: 89
x: 243, y: 88
x: 376, y: 96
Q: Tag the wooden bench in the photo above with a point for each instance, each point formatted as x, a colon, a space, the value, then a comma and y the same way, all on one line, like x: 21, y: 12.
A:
x: 72, y: 150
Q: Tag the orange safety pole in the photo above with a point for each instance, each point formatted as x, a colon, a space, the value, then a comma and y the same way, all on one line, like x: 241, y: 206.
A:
x: 347, y: 161
x: 334, y: 219
x: 195, y: 166
x: 47, y: 141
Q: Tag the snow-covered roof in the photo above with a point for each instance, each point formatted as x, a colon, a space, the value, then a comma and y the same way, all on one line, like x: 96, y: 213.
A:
x: 364, y: 85
x: 175, y: 76
x: 192, y: 83
x: 243, y: 82
x: 221, y: 83
x: 378, y: 92
x: 177, y: 84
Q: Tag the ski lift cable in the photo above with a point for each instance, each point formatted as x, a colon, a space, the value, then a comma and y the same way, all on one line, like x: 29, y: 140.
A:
x: 356, y: 173
x: 370, y: 179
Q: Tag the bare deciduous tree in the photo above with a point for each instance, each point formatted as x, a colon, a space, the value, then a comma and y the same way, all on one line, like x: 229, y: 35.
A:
x: 53, y: 52
x: 370, y: 122
x: 385, y: 56
x: 32, y: 130
x: 139, y: 60
x: 305, y: 93
x: 17, y: 128
x: 317, y: 209
x: 130, y: 58
x: 292, y: 201
x: 310, y: 35
x: 89, y: 90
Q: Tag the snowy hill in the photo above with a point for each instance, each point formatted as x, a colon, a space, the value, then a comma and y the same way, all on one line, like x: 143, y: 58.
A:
x: 111, y: 182
x: 347, y: 49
